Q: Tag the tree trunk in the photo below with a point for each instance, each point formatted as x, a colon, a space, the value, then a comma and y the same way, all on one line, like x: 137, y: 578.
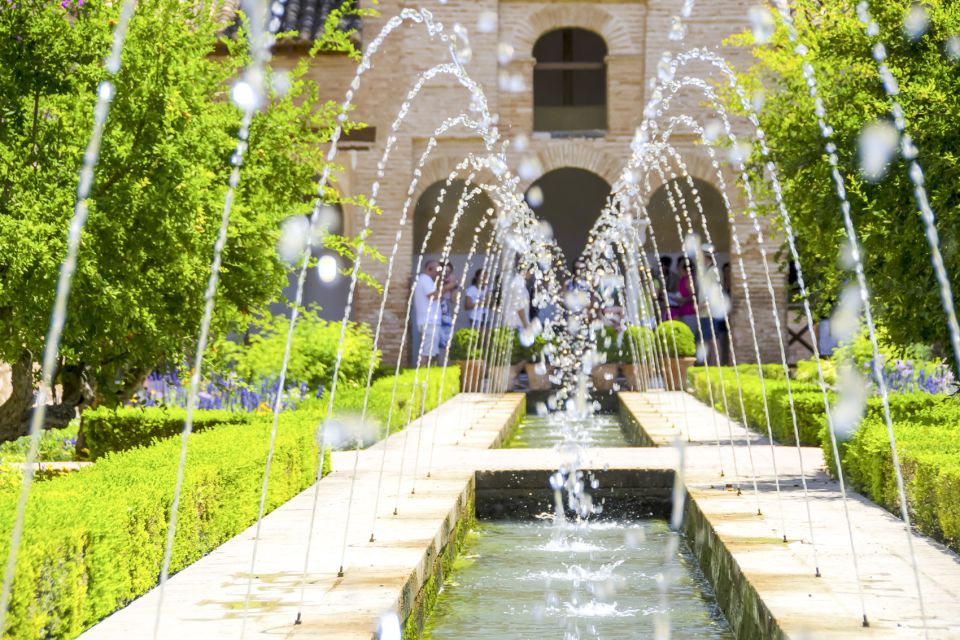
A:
x: 16, y: 410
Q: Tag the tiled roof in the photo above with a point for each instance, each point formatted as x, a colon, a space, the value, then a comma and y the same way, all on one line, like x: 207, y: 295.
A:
x: 305, y: 17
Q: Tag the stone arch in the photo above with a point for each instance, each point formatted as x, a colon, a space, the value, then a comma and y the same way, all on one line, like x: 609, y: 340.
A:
x: 578, y: 154
x: 562, y: 16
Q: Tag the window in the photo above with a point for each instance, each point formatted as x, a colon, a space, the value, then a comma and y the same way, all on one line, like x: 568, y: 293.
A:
x: 570, y: 83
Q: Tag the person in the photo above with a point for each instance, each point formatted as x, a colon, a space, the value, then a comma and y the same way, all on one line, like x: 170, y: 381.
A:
x: 671, y: 310
x: 721, y: 326
x: 474, y: 301
x: 428, y: 289
x: 686, y: 310
x: 516, y: 300
x: 446, y: 304
x: 709, y: 319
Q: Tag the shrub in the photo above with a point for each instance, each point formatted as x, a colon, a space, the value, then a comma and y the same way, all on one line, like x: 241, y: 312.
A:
x: 686, y: 345
x: 638, y: 345
x: 56, y: 445
x: 465, y: 345
x: 930, y: 458
x: 608, y: 345
x: 109, y: 430
x: 94, y: 540
x: 312, y: 356
x: 806, y: 371
x: 501, y: 340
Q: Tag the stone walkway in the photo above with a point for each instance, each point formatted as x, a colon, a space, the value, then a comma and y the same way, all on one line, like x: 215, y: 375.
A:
x: 206, y: 599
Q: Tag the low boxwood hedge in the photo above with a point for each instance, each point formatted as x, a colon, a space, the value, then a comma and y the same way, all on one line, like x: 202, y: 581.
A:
x: 929, y: 453
x: 94, y: 540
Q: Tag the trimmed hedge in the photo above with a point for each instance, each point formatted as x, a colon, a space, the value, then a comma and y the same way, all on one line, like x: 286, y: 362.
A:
x: 94, y: 540
x: 106, y: 430
x: 778, y: 403
x: 930, y: 458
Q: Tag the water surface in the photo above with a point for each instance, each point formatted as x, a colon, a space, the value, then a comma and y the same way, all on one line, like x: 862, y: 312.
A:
x: 544, y: 432
x: 527, y: 580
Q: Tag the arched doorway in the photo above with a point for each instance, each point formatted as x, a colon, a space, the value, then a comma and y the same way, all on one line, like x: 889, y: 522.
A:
x: 663, y: 222
x: 570, y: 200
x: 570, y: 83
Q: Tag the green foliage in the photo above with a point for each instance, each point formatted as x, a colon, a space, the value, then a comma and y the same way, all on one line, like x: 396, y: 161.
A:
x: 96, y: 537
x: 533, y: 353
x: 903, y: 287
x: 806, y: 371
x: 160, y: 183
x: 407, y: 400
x: 930, y: 458
x: 109, y: 430
x: 686, y: 344
x: 608, y: 345
x: 502, y: 341
x: 638, y: 345
x: 313, y: 353
x: 465, y: 345
x: 56, y: 445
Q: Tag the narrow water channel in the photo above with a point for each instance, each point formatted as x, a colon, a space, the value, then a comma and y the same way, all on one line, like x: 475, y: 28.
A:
x: 524, y: 580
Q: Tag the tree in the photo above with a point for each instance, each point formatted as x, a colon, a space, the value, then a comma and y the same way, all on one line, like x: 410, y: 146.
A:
x: 897, y: 258
x: 160, y: 182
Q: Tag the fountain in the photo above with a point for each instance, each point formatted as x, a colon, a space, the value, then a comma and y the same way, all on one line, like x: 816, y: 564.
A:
x: 585, y: 534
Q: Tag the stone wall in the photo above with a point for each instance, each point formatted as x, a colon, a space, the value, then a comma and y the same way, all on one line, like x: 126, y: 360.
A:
x: 636, y: 34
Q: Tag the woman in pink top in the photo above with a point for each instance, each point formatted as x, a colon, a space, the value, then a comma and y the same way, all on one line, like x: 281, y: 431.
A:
x: 687, y: 310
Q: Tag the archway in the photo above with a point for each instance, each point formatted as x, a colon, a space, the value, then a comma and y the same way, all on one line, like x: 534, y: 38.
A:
x: 570, y: 200
x: 664, y: 225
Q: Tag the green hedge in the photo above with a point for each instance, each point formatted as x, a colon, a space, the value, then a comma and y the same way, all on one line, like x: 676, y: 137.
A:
x: 378, y: 405
x: 94, y: 540
x: 929, y: 452
x: 106, y: 430
x: 778, y: 404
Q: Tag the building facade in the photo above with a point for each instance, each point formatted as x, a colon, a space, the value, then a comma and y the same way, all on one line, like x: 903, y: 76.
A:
x: 569, y: 80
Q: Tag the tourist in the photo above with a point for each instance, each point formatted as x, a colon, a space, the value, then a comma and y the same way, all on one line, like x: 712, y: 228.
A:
x: 446, y: 303
x: 516, y: 300
x: 426, y: 305
x: 474, y: 299
x: 686, y: 311
x: 721, y: 326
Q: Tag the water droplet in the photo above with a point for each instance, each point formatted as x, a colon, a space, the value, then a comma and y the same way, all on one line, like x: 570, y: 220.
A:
x: 712, y: 130
x: 952, y: 48
x: 504, y: 53
x: 487, y: 22
x: 665, y: 68
x: 281, y: 83
x: 878, y: 144
x: 389, y: 628
x: 678, y: 30
x: 520, y: 143
x: 327, y: 269
x: 535, y: 199
x: 530, y: 168
x: 916, y: 22
x: 739, y: 153
x: 762, y: 24
x: 293, y: 238
x: 245, y: 96
x: 105, y: 90
x: 758, y: 99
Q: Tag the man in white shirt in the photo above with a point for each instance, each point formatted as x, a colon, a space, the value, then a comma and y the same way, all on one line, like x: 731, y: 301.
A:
x: 516, y: 306
x: 426, y: 308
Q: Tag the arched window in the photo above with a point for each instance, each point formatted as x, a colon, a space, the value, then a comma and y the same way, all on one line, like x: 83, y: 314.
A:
x: 570, y: 83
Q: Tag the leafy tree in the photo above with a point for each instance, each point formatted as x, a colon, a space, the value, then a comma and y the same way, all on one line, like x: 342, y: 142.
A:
x: 160, y: 183
x: 897, y: 259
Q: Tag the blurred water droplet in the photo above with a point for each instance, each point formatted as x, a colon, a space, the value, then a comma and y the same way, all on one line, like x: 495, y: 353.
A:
x: 678, y: 30
x: 327, y: 268
x: 504, y: 53
x: 762, y: 24
x: 389, y: 628
x: 530, y: 168
x: 281, y: 83
x: 878, y: 144
x: 739, y: 153
x: 293, y: 238
x: 952, y: 48
x: 535, y: 199
x: 244, y: 95
x: 665, y: 68
x: 712, y: 130
x: 487, y: 22
x: 916, y: 22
